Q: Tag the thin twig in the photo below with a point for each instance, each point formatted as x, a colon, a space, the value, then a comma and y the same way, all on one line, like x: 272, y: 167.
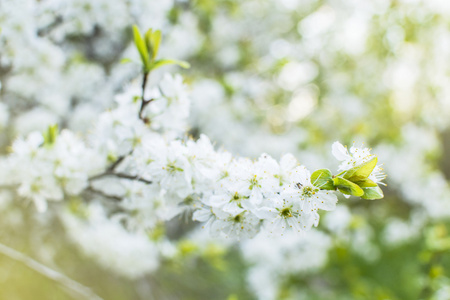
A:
x: 47, y: 29
x: 116, y: 163
x: 110, y: 170
x: 121, y: 175
x: 95, y: 191
x: 133, y: 177
x: 144, y: 102
x: 62, y: 279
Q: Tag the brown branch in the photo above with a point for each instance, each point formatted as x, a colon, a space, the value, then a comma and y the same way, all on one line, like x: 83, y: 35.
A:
x: 144, y: 102
x: 47, y: 29
x: 110, y: 170
x: 115, y: 164
x: 98, y: 192
x: 132, y: 177
x: 121, y: 175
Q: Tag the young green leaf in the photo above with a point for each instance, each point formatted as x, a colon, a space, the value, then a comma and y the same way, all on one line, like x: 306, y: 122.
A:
x: 156, y: 40
x: 361, y: 171
x: 347, y: 187
x: 50, y: 135
x: 148, y: 41
x: 366, y: 183
x: 372, y: 193
x: 125, y: 61
x: 322, y: 179
x: 142, y: 48
x: 162, y: 62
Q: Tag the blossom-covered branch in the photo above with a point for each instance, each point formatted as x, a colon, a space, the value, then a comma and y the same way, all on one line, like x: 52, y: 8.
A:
x: 158, y: 172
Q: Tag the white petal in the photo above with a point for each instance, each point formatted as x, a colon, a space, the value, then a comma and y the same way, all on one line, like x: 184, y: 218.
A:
x: 307, y: 221
x: 256, y: 196
x: 277, y: 226
x: 288, y: 162
x: 202, y: 215
x: 301, y: 175
x: 326, y: 200
x: 218, y: 200
x: 293, y: 223
x: 316, y: 218
x: 306, y: 205
x: 339, y: 151
x: 265, y: 213
x: 219, y: 213
x: 232, y: 208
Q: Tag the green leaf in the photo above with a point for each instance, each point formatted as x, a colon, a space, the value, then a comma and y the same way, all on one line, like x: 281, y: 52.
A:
x: 156, y: 40
x: 50, y: 135
x: 322, y: 179
x: 148, y: 41
x: 347, y: 187
x: 152, y: 41
x: 372, y: 193
x: 125, y: 61
x: 162, y: 62
x: 361, y: 171
x: 142, y: 48
x: 366, y: 183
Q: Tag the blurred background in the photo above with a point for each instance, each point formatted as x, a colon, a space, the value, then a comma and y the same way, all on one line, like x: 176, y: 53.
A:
x: 272, y: 76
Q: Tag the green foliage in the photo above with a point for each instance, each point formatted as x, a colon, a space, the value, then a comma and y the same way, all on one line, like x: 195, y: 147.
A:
x: 142, y: 48
x: 437, y: 238
x: 163, y: 62
x: 153, y: 41
x: 50, y: 135
x: 362, y: 171
x: 347, y: 187
x: 323, y: 179
x: 372, y: 193
x: 353, y: 182
x: 365, y: 183
x: 125, y: 60
x: 148, y: 48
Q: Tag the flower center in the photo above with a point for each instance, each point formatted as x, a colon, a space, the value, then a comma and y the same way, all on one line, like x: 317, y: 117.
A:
x: 286, y: 212
x: 236, y: 197
x: 308, y: 191
x: 254, y: 182
x: 172, y: 168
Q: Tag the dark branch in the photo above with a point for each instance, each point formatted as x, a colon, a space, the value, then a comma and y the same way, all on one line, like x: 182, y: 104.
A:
x: 110, y: 170
x: 98, y: 192
x: 112, y: 167
x: 47, y: 29
x: 131, y: 177
x: 121, y: 175
x: 144, y: 102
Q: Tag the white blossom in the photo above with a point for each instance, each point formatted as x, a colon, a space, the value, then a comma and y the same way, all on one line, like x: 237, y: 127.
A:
x: 355, y: 157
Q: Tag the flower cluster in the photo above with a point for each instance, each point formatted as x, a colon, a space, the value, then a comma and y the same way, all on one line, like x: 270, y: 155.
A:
x: 140, y: 148
x: 159, y: 173
x: 44, y: 169
x: 355, y: 157
x: 277, y: 196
